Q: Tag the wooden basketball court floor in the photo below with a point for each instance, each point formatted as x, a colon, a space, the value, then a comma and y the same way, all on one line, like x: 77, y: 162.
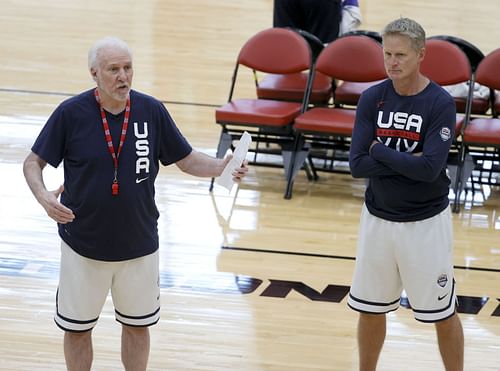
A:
x: 250, y: 281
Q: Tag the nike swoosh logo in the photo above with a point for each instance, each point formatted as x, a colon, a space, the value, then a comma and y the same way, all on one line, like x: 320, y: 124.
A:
x: 442, y: 297
x: 137, y: 180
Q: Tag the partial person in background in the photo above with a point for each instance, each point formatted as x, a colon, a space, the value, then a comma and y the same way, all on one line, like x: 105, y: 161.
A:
x: 402, y: 135
x: 107, y: 216
x: 325, y: 19
x: 318, y: 17
x: 351, y: 16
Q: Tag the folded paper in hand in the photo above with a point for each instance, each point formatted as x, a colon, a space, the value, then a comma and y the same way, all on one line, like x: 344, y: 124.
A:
x: 239, y: 155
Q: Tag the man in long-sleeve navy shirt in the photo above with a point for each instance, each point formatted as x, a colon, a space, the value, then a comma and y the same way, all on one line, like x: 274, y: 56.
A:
x: 402, y: 135
x: 401, y: 144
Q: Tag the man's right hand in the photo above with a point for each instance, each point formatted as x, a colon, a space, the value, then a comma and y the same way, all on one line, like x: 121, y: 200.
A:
x: 56, y: 210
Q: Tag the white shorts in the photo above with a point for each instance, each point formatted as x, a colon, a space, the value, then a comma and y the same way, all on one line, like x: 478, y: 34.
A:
x: 84, y: 285
x: 414, y: 256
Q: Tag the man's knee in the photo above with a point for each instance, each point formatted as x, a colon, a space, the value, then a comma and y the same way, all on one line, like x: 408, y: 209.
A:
x: 77, y: 336
x: 372, y: 317
x: 135, y: 330
x: 448, y: 323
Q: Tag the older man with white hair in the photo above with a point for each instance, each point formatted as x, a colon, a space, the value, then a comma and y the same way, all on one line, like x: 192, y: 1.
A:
x: 107, y: 216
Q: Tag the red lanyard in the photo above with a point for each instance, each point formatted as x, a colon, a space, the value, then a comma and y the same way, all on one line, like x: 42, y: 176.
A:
x: 107, y: 134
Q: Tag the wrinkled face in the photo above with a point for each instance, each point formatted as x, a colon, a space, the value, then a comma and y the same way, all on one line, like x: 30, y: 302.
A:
x: 401, y: 60
x: 113, y: 74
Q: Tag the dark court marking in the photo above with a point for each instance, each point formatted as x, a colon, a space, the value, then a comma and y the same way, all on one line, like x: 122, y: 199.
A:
x: 227, y: 283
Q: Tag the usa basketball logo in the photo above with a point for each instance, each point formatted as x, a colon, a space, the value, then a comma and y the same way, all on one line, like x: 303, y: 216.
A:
x: 445, y: 134
x: 442, y: 280
x: 399, y: 130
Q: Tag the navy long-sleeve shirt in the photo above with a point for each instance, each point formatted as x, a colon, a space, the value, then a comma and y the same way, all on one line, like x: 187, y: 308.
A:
x: 403, y: 186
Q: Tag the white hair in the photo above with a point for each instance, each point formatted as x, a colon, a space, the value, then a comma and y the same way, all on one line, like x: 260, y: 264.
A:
x: 106, y: 43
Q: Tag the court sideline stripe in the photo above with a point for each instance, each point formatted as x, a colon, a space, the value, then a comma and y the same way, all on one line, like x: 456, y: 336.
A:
x: 341, y: 257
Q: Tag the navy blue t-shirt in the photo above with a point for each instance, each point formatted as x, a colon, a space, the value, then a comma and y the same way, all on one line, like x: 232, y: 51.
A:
x: 403, y: 187
x: 108, y: 227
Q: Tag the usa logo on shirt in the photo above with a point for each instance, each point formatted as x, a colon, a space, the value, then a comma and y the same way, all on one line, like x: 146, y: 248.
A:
x: 399, y: 130
x: 445, y: 134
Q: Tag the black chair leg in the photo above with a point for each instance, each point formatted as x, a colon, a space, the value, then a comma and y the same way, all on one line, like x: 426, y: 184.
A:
x: 297, y: 159
x: 458, y: 181
x: 313, y: 168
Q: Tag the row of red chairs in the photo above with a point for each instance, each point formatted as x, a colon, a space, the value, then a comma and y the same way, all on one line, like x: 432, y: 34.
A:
x: 305, y: 105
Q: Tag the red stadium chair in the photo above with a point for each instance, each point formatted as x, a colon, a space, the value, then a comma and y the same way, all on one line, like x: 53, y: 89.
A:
x: 348, y: 92
x: 481, y: 136
x: 475, y: 55
x: 291, y: 87
x: 446, y: 64
x: 275, y: 51
x: 350, y: 58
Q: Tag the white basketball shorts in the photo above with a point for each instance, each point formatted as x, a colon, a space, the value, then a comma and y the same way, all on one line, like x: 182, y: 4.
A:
x: 414, y: 256
x: 84, y: 285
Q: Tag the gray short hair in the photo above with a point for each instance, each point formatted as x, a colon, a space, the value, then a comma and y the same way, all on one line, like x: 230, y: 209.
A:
x: 409, y: 28
x: 106, y: 43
